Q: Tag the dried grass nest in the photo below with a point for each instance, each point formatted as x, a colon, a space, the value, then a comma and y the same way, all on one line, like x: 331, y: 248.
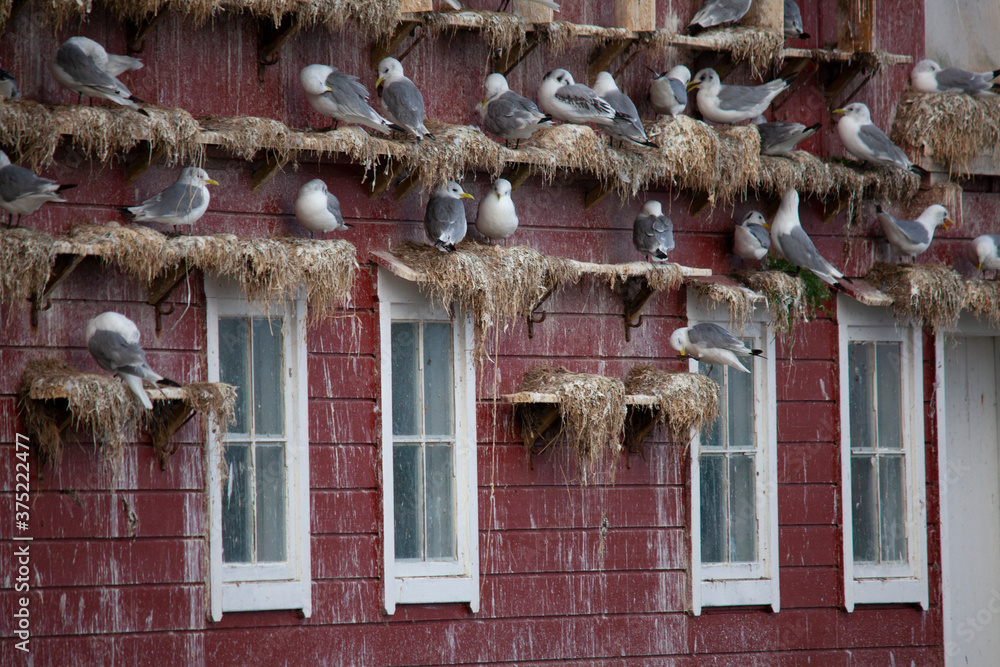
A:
x: 785, y: 296
x: 931, y: 293
x: 684, y: 401
x: 739, y: 301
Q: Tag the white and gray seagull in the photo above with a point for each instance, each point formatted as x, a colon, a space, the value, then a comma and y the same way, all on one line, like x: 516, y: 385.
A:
x: 183, y: 203
x: 444, y: 219
x: 317, y: 210
x: 912, y: 237
x: 497, y: 218
x: 865, y: 141
x: 653, y: 232
x: 626, y: 125
x: 793, y: 21
x: 928, y: 77
x: 8, y: 85
x: 507, y: 114
x: 751, y: 239
x: 561, y: 97
x: 404, y: 105
x: 984, y: 252
x: 780, y: 139
x: 22, y: 192
x: 113, y: 341
x: 83, y: 66
x: 789, y: 239
x: 341, y: 97
x: 711, y: 344
x: 668, y: 91
x: 717, y: 12
x: 720, y: 103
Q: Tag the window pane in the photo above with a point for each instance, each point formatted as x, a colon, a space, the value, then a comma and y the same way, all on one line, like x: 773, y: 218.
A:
x: 237, y: 521
x: 864, y: 515
x: 271, y: 540
x: 742, y: 508
x: 892, y: 499
x: 438, y: 385
x: 268, y: 380
x: 407, y: 506
x: 861, y: 366
x: 888, y: 380
x: 440, y: 502
x: 714, y: 435
x: 405, y: 398
x: 740, y: 390
x: 714, y: 540
x: 234, y: 367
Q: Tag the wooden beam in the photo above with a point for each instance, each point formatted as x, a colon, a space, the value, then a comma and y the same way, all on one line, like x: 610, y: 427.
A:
x: 532, y: 12
x: 385, y: 177
x: 602, y: 57
x: 61, y: 269
x: 263, y: 174
x: 510, y: 58
x: 406, y: 6
x: 407, y: 185
x: 596, y: 194
x: 138, y: 31
x: 160, y: 289
x: 633, y: 306
x: 272, y: 38
x: 387, y: 48
x: 639, y: 15
x: 767, y: 14
x: 518, y: 175
x: 856, y: 26
x: 148, y: 154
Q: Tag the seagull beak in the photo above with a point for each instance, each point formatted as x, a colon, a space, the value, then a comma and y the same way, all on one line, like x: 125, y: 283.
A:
x: 948, y: 223
x: 211, y: 181
x: 484, y: 103
x: 329, y: 89
x: 839, y: 111
x: 979, y: 266
x: 378, y: 82
x: 693, y: 85
x: 466, y: 195
x: 766, y: 226
x: 499, y: 196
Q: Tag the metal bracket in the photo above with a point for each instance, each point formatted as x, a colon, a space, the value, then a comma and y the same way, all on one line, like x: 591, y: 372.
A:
x: 534, y: 317
x: 639, y: 421
x: 61, y: 269
x: 272, y: 38
x: 633, y: 306
x: 161, y: 288
x: 139, y: 30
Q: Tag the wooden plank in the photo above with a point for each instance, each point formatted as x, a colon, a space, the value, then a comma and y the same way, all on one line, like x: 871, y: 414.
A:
x: 767, y: 14
x: 856, y: 26
x: 639, y: 15
x: 864, y: 293
x: 725, y: 282
x: 52, y: 392
x: 389, y: 261
x: 416, y: 5
x: 527, y: 397
x: 531, y: 11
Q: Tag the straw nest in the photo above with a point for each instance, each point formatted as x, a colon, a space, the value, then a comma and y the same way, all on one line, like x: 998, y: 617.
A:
x: 209, y: 399
x: 139, y: 251
x: 496, y: 284
x: 26, y: 256
x: 785, y: 296
x: 982, y: 299
x: 502, y: 30
x: 738, y: 300
x: 931, y: 293
x: 759, y: 47
x: 948, y: 127
x: 560, y: 35
x: 684, y: 401
x: 591, y: 410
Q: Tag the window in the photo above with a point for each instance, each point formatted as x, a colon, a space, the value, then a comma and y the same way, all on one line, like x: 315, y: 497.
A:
x: 882, y: 458
x: 734, y: 525
x: 259, y: 486
x: 428, y: 450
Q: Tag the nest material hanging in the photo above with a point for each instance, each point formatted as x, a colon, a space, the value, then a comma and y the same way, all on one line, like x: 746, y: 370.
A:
x: 739, y: 301
x: 684, y: 401
x: 929, y: 293
x: 785, y: 296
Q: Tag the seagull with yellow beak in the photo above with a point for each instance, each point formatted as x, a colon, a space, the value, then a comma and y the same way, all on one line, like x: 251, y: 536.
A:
x: 911, y: 237
x: 497, y: 218
x: 984, y: 252
x: 444, y: 219
x: 183, y: 203
x: 711, y: 344
x: 341, y: 97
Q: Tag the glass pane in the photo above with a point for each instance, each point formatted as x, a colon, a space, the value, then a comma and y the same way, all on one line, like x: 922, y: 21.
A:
x: 405, y: 398
x: 270, y: 503
x: 406, y: 501
x: 861, y: 367
x: 892, y: 501
x: 714, y: 540
x: 237, y: 521
x: 714, y: 435
x: 440, y: 504
x: 742, y: 508
x: 268, y: 380
x: 740, y: 390
x: 888, y: 379
x: 438, y: 385
x: 864, y: 514
x: 234, y: 353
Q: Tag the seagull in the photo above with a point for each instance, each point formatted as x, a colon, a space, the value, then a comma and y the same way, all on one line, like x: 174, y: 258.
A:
x: 865, y: 141
x: 780, y: 139
x: 507, y: 114
x: 8, y: 85
x: 751, y: 240
x: 83, y: 66
x: 912, y: 237
x: 626, y: 125
x: 497, y: 218
x: 113, y: 341
x: 444, y: 220
x: 711, y: 344
x: 339, y: 96
x: 22, y: 192
x: 317, y: 210
x: 572, y: 102
x: 983, y: 252
x: 928, y: 77
x: 794, y: 244
x: 720, y: 103
x: 183, y: 203
x: 404, y: 105
x: 653, y: 232
x: 717, y: 12
x: 793, y: 21
x: 668, y: 91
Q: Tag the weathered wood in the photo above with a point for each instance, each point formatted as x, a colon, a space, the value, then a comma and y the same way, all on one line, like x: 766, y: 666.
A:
x: 632, y: 307
x: 148, y: 155
x: 856, y: 26
x: 767, y: 14
x: 531, y: 12
x: 509, y: 59
x: 636, y: 15
x: 603, y: 55
x: 597, y: 193
x: 64, y: 265
x: 387, y: 48
x: 416, y: 5
x: 263, y: 174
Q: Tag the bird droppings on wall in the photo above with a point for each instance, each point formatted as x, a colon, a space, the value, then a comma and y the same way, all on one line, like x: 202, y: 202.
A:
x: 684, y: 401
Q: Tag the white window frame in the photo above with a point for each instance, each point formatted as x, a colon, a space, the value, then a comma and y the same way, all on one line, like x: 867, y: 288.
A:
x: 236, y: 587
x: 885, y: 583
x: 742, y: 584
x: 431, y: 582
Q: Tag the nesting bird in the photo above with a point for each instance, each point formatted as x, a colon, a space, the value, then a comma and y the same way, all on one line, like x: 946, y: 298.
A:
x: 507, y: 114
x: 341, y: 97
x: 22, y: 192
x: 711, y: 344
x: 626, y: 124
x: 317, y: 210
x: 717, y: 12
x: 751, y: 239
x: 668, y: 91
x: 497, y: 218
x: 404, y: 105
x: 83, y: 66
x: 789, y: 239
x: 912, y: 237
x: 720, y: 103
x: 780, y: 139
x: 928, y: 77
x: 865, y: 141
x: 8, y: 85
x: 984, y: 252
x: 793, y: 21
x: 444, y: 219
x: 561, y: 97
x: 183, y: 203
x: 113, y: 341
x: 653, y: 232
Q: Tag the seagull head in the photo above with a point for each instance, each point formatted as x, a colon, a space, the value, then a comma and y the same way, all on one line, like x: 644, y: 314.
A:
x: 315, y: 185
x: 790, y: 200
x: 935, y: 215
x: 196, y: 176
x: 653, y: 208
x: 313, y: 78
x: 980, y: 249
x: 926, y: 66
x: 453, y: 190
x: 679, y: 340
x: 680, y: 73
x: 856, y: 110
x: 389, y: 70
x: 560, y: 76
x: 501, y: 188
x: 496, y: 85
x: 604, y: 83
x: 754, y: 218
x: 707, y: 77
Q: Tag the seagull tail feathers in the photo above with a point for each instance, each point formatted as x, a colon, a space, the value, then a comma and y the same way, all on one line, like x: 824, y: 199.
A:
x: 135, y: 386
x: 920, y: 171
x: 65, y: 186
x: 758, y: 353
x: 167, y: 382
x: 397, y: 128
x: 815, y: 127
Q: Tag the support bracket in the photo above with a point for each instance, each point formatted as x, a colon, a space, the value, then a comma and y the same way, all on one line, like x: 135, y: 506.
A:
x: 387, y: 48
x: 534, y: 317
x: 634, y: 305
x: 161, y: 288
x: 139, y: 30
x: 263, y: 174
x: 597, y: 193
x: 531, y: 434
x: 272, y: 38
x: 148, y: 154
x: 604, y: 55
x: 518, y: 175
x: 507, y: 60
x: 639, y: 421
x: 385, y: 177
x: 171, y: 417
x: 63, y: 267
